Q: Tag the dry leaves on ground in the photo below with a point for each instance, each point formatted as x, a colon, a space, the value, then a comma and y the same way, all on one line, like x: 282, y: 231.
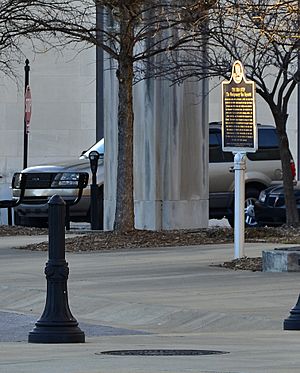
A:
x: 110, y: 240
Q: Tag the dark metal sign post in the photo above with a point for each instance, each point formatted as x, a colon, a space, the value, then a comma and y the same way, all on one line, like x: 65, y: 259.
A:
x: 95, y: 213
x: 27, y: 112
x: 239, y: 136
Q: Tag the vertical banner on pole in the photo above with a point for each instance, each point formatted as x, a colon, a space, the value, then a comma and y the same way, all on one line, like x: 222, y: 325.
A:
x: 239, y: 136
x: 27, y: 108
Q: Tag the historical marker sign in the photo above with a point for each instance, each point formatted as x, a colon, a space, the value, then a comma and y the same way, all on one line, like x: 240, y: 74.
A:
x: 239, y: 131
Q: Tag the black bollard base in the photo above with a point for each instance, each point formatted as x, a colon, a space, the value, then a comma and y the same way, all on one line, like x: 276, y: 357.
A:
x: 293, y: 321
x: 56, y: 334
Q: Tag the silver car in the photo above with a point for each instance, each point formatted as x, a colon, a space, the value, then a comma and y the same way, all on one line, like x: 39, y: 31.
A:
x: 61, y: 178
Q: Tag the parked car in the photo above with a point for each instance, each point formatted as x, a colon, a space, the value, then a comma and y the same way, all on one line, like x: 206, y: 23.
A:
x: 263, y: 170
x: 58, y: 178
x: 270, y: 207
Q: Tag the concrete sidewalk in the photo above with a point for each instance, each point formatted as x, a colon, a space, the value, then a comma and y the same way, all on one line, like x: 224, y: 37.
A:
x: 162, y: 298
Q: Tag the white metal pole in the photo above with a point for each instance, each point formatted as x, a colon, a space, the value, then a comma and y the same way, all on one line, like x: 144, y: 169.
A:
x: 239, y: 204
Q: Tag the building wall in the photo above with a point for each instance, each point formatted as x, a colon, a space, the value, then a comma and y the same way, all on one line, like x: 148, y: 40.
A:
x: 63, y: 112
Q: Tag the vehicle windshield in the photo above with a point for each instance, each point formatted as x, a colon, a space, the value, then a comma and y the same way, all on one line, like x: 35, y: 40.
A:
x: 99, y: 147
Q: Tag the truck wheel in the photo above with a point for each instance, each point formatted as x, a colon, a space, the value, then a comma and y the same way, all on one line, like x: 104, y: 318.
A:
x: 32, y: 222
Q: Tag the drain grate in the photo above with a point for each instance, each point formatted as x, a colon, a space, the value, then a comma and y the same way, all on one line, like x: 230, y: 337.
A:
x: 162, y: 352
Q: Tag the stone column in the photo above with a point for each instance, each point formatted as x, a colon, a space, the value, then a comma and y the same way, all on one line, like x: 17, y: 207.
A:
x: 170, y: 155
x: 111, y: 143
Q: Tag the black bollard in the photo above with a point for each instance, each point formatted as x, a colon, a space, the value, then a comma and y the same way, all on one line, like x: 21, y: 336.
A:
x: 57, y: 324
x: 293, y: 321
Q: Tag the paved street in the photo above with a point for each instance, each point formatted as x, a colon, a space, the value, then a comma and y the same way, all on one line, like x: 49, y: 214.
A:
x: 163, y: 298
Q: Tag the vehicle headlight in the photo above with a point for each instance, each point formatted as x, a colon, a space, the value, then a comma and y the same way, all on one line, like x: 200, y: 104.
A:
x: 16, y: 180
x: 262, y: 197
x: 65, y: 180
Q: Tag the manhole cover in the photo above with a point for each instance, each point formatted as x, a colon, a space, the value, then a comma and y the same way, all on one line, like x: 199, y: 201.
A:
x: 162, y: 352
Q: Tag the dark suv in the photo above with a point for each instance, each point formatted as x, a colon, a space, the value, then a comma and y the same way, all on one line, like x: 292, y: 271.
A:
x: 263, y: 169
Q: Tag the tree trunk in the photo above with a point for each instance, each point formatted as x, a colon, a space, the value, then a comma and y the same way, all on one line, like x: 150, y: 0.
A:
x: 124, y: 215
x: 292, y: 217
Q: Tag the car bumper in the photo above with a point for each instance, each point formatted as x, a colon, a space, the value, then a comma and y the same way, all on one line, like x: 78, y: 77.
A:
x: 40, y: 210
x: 271, y: 216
